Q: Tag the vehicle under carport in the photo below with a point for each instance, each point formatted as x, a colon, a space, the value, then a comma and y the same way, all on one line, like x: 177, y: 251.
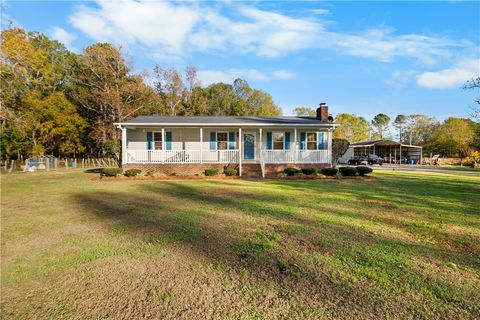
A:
x: 391, y: 151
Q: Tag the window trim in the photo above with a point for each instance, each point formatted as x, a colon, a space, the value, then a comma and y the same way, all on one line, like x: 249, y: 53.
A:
x: 153, y: 140
x: 216, y: 137
x: 306, y: 140
x: 283, y: 138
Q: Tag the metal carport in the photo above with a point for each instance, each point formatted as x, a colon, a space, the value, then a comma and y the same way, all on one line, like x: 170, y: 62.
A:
x: 391, y: 151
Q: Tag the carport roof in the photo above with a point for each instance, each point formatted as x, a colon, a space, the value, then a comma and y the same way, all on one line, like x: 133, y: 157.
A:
x: 381, y: 142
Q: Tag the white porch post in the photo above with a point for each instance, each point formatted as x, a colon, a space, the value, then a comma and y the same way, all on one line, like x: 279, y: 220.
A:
x: 295, y: 147
x: 260, y: 144
x: 240, y: 152
x: 330, y: 145
x: 163, y: 146
x: 400, y: 154
x: 124, y: 144
x: 201, y: 145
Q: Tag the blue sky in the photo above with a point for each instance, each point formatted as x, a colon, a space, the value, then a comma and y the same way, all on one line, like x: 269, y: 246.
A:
x: 359, y: 57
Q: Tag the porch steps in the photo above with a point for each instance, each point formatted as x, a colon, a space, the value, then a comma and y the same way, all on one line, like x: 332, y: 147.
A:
x: 251, y: 170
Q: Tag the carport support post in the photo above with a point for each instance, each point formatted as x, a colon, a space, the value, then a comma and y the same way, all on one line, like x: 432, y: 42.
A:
x: 400, y: 154
x: 240, y: 152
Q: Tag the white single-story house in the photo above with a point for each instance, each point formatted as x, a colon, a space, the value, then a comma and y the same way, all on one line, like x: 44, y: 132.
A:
x: 255, y: 146
x: 391, y: 151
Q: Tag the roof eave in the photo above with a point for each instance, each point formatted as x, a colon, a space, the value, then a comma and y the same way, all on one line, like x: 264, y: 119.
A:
x: 334, y: 125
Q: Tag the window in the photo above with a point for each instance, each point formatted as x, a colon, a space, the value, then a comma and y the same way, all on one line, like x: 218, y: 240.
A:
x: 157, y: 141
x: 222, y: 140
x: 277, y: 138
x: 311, y: 141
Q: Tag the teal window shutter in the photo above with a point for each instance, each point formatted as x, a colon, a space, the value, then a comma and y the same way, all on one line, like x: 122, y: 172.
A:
x: 287, y: 140
x: 168, y: 140
x: 320, y: 141
x: 213, y: 140
x: 149, y: 140
x: 303, y: 140
x: 231, y: 140
x: 269, y: 140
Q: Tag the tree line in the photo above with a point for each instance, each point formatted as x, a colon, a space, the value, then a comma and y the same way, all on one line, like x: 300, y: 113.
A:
x: 54, y: 101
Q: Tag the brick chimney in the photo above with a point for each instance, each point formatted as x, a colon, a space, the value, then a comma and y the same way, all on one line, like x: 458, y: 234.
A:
x: 322, y: 112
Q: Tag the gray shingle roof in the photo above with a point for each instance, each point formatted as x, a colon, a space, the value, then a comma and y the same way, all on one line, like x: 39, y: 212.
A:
x: 206, y: 120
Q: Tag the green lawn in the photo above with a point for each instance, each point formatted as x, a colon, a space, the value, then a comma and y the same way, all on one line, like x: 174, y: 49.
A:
x: 403, y: 245
x: 453, y: 167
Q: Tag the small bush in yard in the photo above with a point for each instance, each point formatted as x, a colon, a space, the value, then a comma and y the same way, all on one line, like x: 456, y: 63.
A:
x: 155, y: 174
x: 132, y: 172
x: 362, y: 170
x: 230, y: 172
x: 211, y: 172
x: 290, y: 171
x: 348, y: 171
x: 111, y: 172
x: 309, y: 170
x: 329, y: 171
x: 282, y: 175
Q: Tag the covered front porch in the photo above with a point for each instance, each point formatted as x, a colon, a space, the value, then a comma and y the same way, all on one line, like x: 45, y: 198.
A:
x: 223, y: 145
x: 226, y: 156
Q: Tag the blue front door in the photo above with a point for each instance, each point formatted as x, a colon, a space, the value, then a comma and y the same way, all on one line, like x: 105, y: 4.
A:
x: 248, y: 146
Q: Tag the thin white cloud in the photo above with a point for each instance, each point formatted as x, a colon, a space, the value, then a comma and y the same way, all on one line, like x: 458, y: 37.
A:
x: 208, y: 77
x: 283, y: 74
x: 400, y: 78
x: 173, y: 30
x: 320, y: 11
x: 64, y: 37
x: 152, y: 24
x: 452, y: 77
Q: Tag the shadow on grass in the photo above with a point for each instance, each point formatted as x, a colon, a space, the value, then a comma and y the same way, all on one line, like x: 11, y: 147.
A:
x: 94, y: 170
x: 248, y: 229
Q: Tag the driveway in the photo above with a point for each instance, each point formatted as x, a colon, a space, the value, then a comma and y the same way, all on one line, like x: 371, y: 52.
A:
x: 422, y: 168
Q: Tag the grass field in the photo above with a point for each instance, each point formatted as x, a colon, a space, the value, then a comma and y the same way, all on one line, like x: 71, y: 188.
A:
x: 403, y: 245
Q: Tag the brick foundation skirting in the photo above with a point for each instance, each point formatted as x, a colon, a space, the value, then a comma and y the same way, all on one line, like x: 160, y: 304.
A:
x: 272, y: 169
x: 191, y: 169
x: 169, y: 169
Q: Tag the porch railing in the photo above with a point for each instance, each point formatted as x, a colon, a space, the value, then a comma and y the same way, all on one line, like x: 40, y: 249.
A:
x: 225, y: 156
x: 298, y: 156
x: 182, y: 156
